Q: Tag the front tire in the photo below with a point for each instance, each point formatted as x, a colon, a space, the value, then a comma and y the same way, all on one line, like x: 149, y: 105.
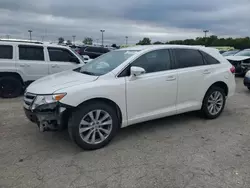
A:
x: 10, y: 87
x: 93, y: 125
x: 213, y: 103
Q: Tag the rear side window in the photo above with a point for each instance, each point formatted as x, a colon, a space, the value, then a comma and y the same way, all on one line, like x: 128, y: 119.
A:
x: 34, y: 53
x: 188, y: 58
x: 209, y: 60
x: 6, y: 52
x: 59, y: 54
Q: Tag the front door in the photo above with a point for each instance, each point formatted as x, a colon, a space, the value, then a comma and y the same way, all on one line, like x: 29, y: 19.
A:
x: 61, y: 59
x: 153, y: 94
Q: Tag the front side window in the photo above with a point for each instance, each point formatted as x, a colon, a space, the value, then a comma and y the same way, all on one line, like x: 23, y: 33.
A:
x: 34, y: 53
x: 59, y: 54
x: 6, y: 52
x: 188, y: 58
x: 155, y: 61
x: 106, y: 63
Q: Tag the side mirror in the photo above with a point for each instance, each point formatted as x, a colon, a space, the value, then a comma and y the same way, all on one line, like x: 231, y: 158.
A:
x: 74, y: 60
x: 137, y: 71
x: 85, y: 57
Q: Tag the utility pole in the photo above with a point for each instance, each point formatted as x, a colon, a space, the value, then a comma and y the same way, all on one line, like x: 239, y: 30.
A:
x: 102, y: 31
x: 8, y: 36
x: 205, y: 32
x: 74, y: 37
x: 126, y: 40
x: 30, y: 31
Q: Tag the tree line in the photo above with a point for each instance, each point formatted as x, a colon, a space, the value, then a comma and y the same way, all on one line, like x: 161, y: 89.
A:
x: 213, y: 40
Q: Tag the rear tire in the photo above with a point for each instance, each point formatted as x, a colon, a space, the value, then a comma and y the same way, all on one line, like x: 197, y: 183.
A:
x: 95, y: 134
x: 10, y: 87
x: 211, y: 109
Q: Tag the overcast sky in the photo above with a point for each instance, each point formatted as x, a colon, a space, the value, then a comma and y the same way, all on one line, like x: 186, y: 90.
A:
x: 162, y: 20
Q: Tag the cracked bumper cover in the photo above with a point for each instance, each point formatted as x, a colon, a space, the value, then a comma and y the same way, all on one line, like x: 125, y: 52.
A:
x: 56, y: 114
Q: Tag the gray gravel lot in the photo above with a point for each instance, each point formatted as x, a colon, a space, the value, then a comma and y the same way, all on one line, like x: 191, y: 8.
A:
x: 182, y: 151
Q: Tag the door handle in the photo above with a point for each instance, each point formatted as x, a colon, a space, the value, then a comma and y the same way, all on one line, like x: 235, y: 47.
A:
x: 53, y: 66
x: 171, y: 78
x: 206, y: 71
x: 27, y: 65
x: 22, y: 65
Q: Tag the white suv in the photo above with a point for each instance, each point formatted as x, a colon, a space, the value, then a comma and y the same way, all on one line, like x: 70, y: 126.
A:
x: 128, y: 86
x: 22, y: 62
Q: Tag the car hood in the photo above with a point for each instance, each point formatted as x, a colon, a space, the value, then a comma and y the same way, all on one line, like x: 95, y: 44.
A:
x: 237, y: 58
x: 52, y: 83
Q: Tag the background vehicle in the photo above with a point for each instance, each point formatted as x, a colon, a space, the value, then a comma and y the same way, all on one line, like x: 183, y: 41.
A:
x: 247, y: 80
x: 230, y: 52
x: 128, y: 86
x: 93, y: 51
x: 241, y: 61
x: 22, y: 62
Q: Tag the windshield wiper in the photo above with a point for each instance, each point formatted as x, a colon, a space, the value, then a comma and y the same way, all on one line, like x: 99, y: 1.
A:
x: 89, y: 73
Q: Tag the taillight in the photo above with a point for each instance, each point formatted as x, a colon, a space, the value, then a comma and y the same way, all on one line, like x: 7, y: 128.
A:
x: 232, y: 69
x: 78, y: 51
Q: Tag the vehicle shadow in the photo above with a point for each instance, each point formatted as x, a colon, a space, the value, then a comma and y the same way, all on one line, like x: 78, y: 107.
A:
x: 140, y: 129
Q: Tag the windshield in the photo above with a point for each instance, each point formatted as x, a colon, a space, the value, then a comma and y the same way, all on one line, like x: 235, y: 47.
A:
x: 107, y: 62
x: 243, y: 53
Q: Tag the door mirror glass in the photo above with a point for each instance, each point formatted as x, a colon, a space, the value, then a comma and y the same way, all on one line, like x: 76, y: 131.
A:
x: 137, y: 71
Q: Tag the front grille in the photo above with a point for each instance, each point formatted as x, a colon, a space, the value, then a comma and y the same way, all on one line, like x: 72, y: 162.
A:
x: 28, y: 100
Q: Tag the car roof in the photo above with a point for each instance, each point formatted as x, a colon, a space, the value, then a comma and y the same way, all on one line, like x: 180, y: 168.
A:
x: 166, y: 46
x: 32, y: 43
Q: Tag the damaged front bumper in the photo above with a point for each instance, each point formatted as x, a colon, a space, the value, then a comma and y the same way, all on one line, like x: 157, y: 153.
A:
x: 49, y: 117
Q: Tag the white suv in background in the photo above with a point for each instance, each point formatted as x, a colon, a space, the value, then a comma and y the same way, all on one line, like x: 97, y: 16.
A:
x: 22, y: 62
x: 129, y: 86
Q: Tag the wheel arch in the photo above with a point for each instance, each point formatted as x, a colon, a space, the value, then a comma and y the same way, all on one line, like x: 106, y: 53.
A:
x: 109, y: 102
x: 219, y: 84
x: 13, y: 74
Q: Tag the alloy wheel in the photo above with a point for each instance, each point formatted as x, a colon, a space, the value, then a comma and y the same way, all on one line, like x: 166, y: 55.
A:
x: 95, y: 126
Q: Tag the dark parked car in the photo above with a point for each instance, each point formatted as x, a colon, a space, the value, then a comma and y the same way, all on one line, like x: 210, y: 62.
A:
x: 93, y: 51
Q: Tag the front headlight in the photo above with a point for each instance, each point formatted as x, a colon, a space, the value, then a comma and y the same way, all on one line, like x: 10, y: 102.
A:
x: 248, y: 74
x: 46, y: 99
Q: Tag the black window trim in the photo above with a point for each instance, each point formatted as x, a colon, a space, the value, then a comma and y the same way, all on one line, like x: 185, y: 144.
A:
x: 177, y: 63
x: 12, y: 54
x: 33, y: 46
x: 204, y: 59
x: 129, y: 65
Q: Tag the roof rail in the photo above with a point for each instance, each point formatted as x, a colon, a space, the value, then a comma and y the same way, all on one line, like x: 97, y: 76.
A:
x: 21, y: 40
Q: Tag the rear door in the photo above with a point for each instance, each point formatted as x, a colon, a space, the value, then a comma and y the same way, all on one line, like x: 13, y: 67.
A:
x: 61, y: 59
x: 31, y: 62
x: 7, y: 61
x: 193, y: 77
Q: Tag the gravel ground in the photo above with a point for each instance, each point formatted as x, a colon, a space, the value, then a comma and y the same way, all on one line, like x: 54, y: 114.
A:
x: 183, y: 151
